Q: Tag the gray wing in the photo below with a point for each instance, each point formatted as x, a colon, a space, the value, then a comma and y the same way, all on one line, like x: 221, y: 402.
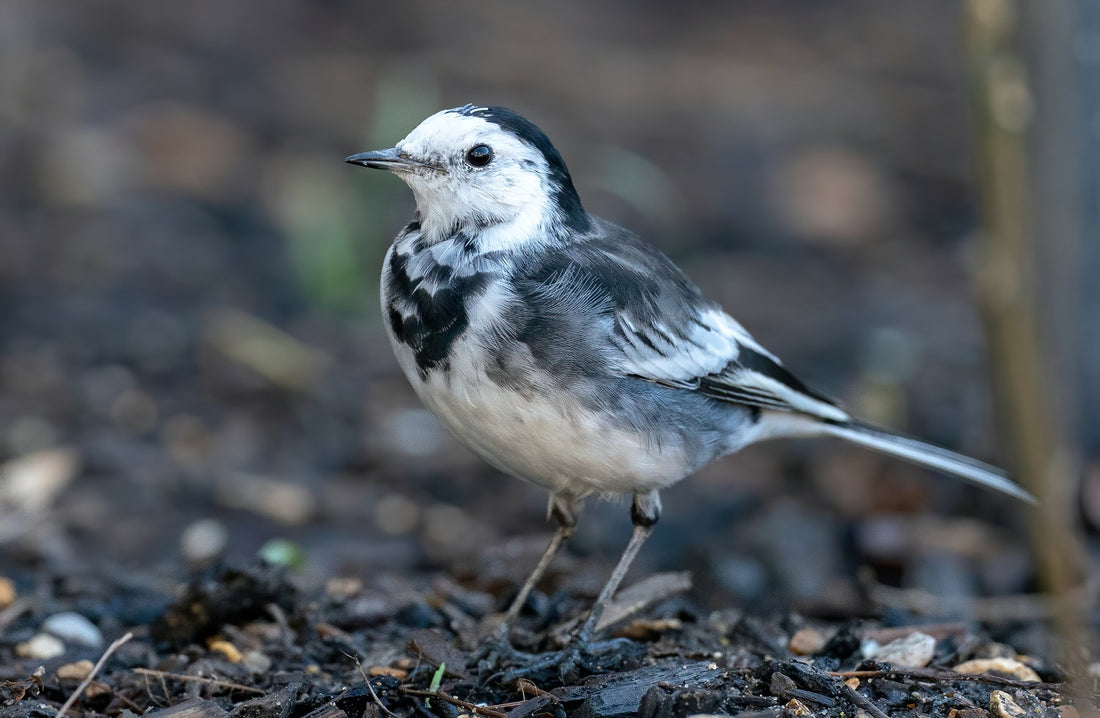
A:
x: 660, y: 327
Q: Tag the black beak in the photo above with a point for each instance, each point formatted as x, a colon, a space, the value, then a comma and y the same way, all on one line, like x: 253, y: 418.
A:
x: 389, y: 159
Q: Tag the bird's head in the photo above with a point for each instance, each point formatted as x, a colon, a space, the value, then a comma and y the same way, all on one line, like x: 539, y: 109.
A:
x: 486, y: 172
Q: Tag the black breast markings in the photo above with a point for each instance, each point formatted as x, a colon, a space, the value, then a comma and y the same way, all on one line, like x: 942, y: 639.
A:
x: 437, y: 318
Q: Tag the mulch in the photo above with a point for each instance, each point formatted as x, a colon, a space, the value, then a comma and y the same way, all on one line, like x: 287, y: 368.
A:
x: 249, y: 642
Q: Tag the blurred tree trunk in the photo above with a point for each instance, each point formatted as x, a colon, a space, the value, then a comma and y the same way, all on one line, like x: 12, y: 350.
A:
x: 1085, y: 43
x: 1031, y: 283
x: 1061, y: 45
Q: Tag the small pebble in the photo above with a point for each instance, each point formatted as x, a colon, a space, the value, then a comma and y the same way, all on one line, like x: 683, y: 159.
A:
x: 75, y: 671
x: 912, y: 651
x: 41, y: 646
x: 7, y: 592
x: 74, y: 628
x: 203, y: 541
x: 342, y: 587
x: 1001, y: 705
x: 1007, y: 666
x: 256, y: 662
x: 806, y: 641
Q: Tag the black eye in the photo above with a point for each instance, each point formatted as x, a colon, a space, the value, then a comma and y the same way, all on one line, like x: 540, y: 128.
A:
x: 479, y: 156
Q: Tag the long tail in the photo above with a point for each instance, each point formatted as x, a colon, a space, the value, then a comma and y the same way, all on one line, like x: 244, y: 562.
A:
x: 919, y: 452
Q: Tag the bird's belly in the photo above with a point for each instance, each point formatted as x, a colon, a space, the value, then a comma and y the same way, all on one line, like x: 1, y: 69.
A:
x: 549, y: 439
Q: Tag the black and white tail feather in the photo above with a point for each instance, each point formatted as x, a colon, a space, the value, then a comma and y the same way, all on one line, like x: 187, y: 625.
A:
x: 753, y: 377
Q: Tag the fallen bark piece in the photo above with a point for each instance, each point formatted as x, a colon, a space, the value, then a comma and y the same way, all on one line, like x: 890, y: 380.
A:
x: 654, y: 589
x: 437, y: 650
x: 276, y: 704
x: 620, y: 694
x: 1006, y: 666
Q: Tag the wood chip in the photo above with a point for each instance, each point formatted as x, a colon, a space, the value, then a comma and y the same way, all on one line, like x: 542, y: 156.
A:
x: 1006, y: 666
x: 397, y: 673
x: 644, y: 630
x: 654, y: 589
x: 224, y: 647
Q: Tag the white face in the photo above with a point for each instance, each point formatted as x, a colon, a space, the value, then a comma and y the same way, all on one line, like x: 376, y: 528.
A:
x: 506, y: 201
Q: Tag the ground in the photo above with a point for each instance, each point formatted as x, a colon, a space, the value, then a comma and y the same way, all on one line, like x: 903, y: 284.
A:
x: 194, y: 379
x: 248, y: 642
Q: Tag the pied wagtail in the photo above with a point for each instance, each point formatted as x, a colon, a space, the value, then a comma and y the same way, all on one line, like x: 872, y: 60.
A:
x: 566, y: 351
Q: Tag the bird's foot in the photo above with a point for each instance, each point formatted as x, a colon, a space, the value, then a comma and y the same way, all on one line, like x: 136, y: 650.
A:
x: 498, y: 652
x: 577, y: 657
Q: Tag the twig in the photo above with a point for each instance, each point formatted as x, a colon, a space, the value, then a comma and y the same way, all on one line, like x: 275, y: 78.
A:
x: 932, y: 674
x: 370, y: 687
x: 378, y: 700
x: 198, y: 679
x: 480, y: 710
x: 861, y: 701
x: 88, y: 678
x: 526, y: 684
x: 276, y: 611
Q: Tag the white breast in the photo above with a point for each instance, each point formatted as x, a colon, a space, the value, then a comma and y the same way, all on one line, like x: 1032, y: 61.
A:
x: 542, y: 436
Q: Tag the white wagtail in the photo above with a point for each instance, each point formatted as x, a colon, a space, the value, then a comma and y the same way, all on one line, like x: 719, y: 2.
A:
x: 568, y: 352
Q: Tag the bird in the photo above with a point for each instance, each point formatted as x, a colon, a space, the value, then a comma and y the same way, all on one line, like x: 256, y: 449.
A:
x: 568, y: 352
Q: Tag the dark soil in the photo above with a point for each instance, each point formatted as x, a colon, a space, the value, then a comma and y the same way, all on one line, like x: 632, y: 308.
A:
x: 247, y: 642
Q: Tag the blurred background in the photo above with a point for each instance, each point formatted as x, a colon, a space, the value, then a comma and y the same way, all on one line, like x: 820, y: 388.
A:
x: 192, y: 362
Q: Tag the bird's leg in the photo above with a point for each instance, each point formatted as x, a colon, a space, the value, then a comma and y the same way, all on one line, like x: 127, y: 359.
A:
x: 563, y: 510
x: 644, y: 514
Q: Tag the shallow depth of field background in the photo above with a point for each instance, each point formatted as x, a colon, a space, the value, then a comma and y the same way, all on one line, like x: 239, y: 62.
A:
x: 191, y: 356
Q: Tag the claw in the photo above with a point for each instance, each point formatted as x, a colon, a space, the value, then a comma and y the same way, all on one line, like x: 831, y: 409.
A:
x: 586, y: 657
x: 565, y: 660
